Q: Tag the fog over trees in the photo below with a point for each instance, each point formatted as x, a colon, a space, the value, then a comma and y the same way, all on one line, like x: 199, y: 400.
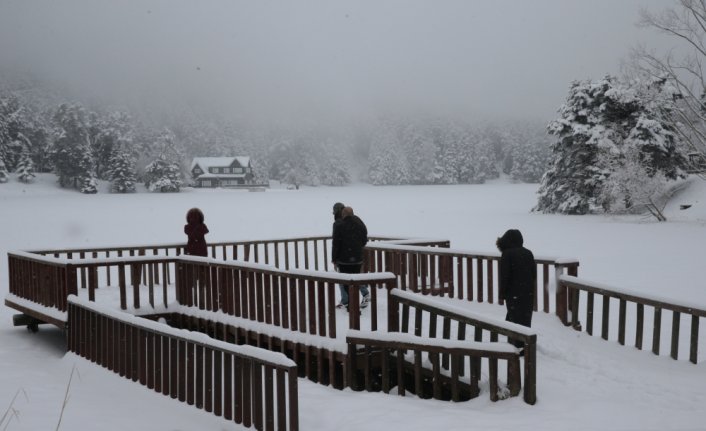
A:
x: 389, y: 93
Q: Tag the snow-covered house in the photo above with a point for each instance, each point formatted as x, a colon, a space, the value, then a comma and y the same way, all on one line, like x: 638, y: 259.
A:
x: 221, y: 171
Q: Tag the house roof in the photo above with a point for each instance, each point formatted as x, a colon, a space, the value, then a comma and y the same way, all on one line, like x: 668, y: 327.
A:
x: 218, y: 162
x: 220, y: 176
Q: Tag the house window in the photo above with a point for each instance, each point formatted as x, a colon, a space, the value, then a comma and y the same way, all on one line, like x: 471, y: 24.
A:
x: 197, y: 171
x: 206, y: 183
x: 237, y: 170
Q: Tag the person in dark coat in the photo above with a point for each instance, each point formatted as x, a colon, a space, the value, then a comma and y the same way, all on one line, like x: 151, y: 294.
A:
x: 337, y: 209
x: 518, y: 274
x: 196, y: 231
x: 349, y: 237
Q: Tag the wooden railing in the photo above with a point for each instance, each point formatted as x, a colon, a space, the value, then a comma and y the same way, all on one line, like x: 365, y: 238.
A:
x: 465, y: 275
x: 584, y: 311
x: 394, y: 346
x: 301, y: 252
x: 39, y: 279
x: 239, y: 383
x: 49, y: 281
x: 402, y: 304
x: 298, y: 300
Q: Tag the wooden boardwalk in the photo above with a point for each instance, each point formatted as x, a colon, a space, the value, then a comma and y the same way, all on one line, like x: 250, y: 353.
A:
x: 279, y: 295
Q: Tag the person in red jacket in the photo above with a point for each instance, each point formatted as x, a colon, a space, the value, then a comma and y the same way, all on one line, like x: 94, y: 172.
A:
x: 196, y: 230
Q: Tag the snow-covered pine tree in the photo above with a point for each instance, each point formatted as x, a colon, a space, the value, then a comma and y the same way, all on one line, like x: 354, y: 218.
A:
x: 4, y: 175
x: 417, y: 143
x: 25, y: 167
x: 71, y: 152
x: 108, y: 134
x: 87, y: 183
x: 334, y: 169
x: 387, y: 162
x: 601, y: 122
x: 586, y: 126
x: 484, y: 163
x: 164, y: 174
x: 122, y: 172
x: 528, y: 161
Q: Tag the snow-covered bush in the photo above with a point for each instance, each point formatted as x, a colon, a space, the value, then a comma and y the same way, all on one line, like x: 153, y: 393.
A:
x: 163, y: 175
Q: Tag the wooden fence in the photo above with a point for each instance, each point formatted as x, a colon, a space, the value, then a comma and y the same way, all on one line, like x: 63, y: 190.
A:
x: 238, y: 383
x: 407, y: 312
x: 394, y: 364
x: 584, y: 310
x: 301, y: 252
x: 298, y: 300
x: 466, y: 275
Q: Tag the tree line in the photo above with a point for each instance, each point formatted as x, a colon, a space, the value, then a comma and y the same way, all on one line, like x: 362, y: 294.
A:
x: 82, y: 145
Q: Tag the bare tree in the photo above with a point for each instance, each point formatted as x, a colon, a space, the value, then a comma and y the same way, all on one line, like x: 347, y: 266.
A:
x: 682, y: 68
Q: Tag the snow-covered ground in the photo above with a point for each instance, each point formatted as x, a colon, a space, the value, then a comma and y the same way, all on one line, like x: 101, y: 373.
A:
x: 583, y: 382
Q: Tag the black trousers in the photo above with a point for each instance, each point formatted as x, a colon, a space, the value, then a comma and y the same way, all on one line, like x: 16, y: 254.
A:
x: 519, y: 310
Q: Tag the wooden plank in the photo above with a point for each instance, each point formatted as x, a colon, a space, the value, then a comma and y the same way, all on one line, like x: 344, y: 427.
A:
x: 208, y: 379
x: 656, y: 330
x: 436, y: 372
x: 493, y: 378
x: 293, y: 400
x: 606, y: 317
x: 418, y: 388
x: 268, y: 298
x: 311, y: 310
x: 479, y: 278
x: 227, y: 386
x: 151, y: 360
x: 330, y: 308
x: 190, y: 374
x: 281, y: 399
x: 545, y: 286
x: 621, y: 322
x: 455, y: 373
x: 489, y: 273
x: 589, y: 313
x: 639, y: 325
x: 459, y: 277
x: 694, y: 345
x: 385, y: 369
x: 676, y: 320
x: 269, y: 399
x: 238, y: 391
x: 166, y: 370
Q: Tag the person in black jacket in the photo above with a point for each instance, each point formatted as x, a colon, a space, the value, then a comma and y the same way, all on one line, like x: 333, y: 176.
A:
x: 349, y: 237
x: 518, y: 274
x: 337, y: 209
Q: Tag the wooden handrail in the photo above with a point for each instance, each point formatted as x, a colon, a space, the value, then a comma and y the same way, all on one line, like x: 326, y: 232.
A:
x: 466, y: 274
x: 406, y: 300
x: 576, y: 285
x: 230, y: 378
x: 456, y: 351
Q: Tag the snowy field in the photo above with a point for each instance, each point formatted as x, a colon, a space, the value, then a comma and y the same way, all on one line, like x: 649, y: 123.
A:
x: 584, y: 383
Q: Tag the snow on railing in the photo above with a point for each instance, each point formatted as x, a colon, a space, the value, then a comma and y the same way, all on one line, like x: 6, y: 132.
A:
x: 583, y: 307
x: 246, y: 384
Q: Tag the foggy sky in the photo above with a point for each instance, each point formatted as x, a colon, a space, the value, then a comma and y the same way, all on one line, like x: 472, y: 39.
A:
x: 288, y: 60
